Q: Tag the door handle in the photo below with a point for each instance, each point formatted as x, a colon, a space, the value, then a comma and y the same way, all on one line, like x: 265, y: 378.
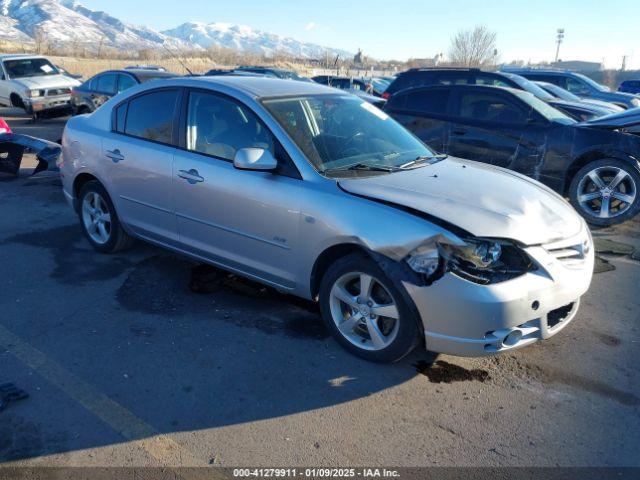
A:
x: 459, y: 131
x: 114, y: 155
x: 192, y: 176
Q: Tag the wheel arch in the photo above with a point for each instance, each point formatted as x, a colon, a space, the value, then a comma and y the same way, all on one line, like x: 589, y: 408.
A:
x: 326, y: 258
x: 591, y: 156
x: 80, y: 181
x: 16, y: 100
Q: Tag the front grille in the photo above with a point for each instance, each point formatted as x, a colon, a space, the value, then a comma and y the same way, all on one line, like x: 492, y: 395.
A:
x: 554, y: 317
x: 568, y: 252
x: 58, y: 91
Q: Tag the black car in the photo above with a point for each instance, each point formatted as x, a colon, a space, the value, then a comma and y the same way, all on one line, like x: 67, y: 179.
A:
x: 474, y: 76
x: 100, y: 88
x: 273, y: 72
x: 593, y: 163
x: 343, y: 83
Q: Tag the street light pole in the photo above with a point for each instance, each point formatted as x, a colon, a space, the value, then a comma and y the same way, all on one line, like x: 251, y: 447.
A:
x: 559, y: 38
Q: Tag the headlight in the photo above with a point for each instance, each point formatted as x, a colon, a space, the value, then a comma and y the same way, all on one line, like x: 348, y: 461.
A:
x: 635, y: 102
x: 34, y: 93
x: 478, y: 260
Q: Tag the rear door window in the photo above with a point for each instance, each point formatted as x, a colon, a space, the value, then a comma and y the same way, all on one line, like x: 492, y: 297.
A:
x: 489, y: 107
x: 151, y: 116
x: 107, y: 83
x: 434, y: 101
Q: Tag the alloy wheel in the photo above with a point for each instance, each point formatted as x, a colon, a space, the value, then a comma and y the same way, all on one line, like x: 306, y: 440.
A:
x: 364, y: 311
x: 606, y: 192
x: 96, y: 218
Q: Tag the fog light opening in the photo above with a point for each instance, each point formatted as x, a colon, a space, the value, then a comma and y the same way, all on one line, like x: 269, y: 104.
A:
x: 512, y: 339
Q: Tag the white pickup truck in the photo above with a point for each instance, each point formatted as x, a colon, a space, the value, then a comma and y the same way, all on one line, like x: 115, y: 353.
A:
x: 34, y: 83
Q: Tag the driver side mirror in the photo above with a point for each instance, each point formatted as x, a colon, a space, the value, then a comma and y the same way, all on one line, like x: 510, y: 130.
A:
x: 254, y: 159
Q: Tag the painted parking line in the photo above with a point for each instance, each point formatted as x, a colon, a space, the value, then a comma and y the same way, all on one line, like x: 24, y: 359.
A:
x: 162, y: 448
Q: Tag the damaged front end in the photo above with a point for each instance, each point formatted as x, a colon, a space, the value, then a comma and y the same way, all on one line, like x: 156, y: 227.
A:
x: 481, y: 261
x: 13, y: 146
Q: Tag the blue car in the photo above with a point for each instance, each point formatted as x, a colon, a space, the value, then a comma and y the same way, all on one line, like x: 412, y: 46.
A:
x: 578, y: 84
x: 630, y: 86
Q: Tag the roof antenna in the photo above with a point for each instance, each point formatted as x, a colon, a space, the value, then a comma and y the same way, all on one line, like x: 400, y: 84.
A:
x: 174, y: 56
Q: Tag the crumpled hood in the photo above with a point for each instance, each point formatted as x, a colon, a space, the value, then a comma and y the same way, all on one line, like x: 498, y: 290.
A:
x: 626, y: 119
x: 47, y: 81
x: 484, y: 200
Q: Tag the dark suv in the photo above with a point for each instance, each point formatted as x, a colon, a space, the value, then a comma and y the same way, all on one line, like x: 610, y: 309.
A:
x: 579, y: 85
x: 418, y: 77
x: 593, y: 163
x: 578, y: 110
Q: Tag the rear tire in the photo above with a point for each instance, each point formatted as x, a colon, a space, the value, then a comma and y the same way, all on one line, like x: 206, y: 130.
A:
x: 99, y: 220
x: 377, y: 324
x: 606, y: 192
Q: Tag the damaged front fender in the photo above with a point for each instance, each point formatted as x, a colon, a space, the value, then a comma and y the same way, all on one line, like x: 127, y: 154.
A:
x: 13, y: 146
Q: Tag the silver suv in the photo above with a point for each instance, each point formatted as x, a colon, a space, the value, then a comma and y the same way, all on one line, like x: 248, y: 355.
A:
x: 34, y: 84
x: 321, y: 195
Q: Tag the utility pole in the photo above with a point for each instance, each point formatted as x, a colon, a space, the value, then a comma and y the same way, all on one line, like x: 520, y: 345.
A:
x: 624, y: 63
x: 559, y: 39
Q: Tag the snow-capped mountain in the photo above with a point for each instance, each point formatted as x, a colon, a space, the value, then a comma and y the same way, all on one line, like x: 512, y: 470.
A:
x: 61, y: 22
x: 244, y: 38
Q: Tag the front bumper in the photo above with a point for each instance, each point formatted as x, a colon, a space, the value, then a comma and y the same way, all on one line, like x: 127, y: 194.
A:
x: 467, y: 319
x: 42, y: 104
x: 13, y: 146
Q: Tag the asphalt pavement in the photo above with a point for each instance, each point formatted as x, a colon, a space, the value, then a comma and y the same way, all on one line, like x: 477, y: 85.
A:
x: 128, y: 362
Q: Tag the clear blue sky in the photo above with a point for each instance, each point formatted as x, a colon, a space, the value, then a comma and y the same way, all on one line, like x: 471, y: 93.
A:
x: 596, y: 30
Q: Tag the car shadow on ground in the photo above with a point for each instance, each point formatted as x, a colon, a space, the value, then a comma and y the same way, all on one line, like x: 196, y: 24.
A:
x: 180, y: 345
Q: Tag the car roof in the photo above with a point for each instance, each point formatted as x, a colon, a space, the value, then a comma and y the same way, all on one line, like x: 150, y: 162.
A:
x: 256, y: 87
x: 11, y: 56
x: 463, y: 86
x: 146, y: 73
x: 140, y: 73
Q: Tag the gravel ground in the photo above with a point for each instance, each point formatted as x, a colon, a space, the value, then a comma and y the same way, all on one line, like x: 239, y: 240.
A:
x: 126, y: 365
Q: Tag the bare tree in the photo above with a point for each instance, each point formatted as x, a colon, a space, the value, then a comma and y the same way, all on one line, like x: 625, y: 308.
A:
x: 473, y: 48
x: 39, y: 38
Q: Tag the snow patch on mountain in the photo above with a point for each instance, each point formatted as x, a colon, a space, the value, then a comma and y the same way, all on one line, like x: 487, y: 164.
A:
x: 244, y: 38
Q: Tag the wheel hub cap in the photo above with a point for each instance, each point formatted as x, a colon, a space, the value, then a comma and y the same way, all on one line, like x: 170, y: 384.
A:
x: 606, y: 192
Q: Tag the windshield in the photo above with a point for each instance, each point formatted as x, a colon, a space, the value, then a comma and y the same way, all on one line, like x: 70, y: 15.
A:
x: 341, y: 131
x: 559, y: 92
x: 29, y: 67
x: 591, y: 82
x: 529, y: 86
x: 544, y: 109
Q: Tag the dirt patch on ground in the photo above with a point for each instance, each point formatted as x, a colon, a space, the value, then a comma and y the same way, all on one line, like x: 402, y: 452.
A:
x: 445, y: 372
x: 550, y: 375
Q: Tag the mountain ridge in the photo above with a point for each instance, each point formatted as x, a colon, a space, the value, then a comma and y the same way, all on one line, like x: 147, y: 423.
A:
x: 66, y: 22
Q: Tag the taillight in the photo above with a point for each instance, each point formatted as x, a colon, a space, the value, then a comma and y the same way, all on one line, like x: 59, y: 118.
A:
x: 386, y: 95
x: 4, y: 126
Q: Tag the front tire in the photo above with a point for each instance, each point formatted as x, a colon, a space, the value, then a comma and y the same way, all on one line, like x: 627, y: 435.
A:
x: 605, y: 192
x: 99, y: 219
x: 365, y: 311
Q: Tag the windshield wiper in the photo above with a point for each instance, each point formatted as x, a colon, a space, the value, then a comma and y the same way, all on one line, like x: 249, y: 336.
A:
x: 364, y: 167
x: 431, y: 159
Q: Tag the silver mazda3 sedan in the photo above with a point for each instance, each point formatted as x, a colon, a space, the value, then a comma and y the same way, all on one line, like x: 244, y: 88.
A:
x: 321, y: 195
